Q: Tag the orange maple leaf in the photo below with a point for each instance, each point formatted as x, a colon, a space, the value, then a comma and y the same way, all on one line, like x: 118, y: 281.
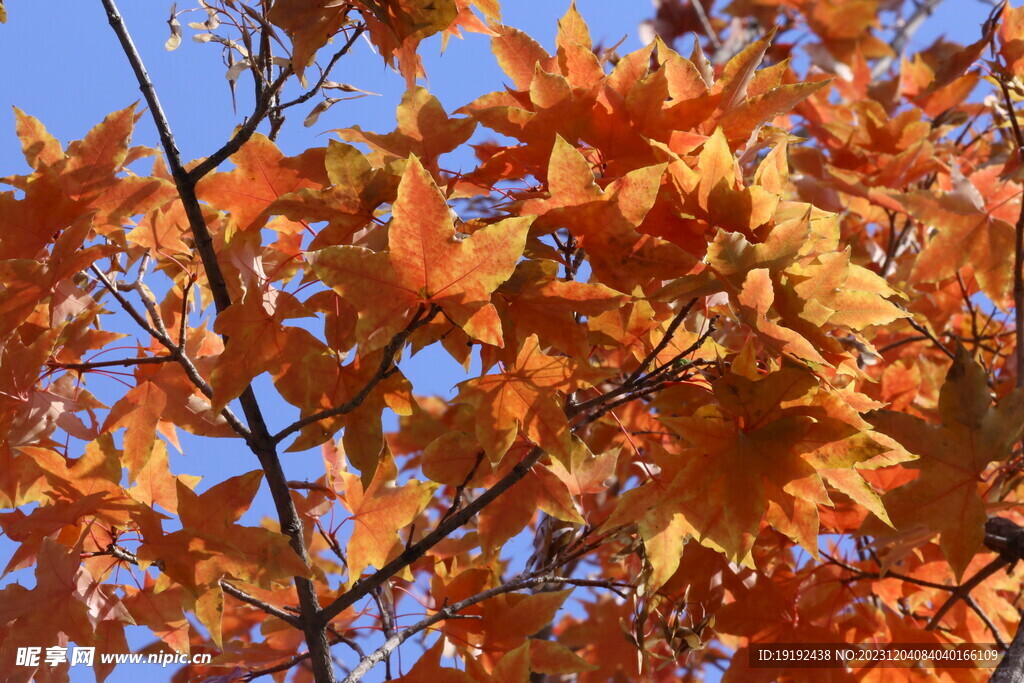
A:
x: 378, y: 511
x: 523, y: 397
x: 428, y: 262
x: 944, y: 498
x: 261, y: 175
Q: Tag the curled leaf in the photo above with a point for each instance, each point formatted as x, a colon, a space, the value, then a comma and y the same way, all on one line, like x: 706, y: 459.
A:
x: 236, y: 69
x: 211, y: 23
x: 174, y: 41
x: 318, y: 110
x: 345, y: 87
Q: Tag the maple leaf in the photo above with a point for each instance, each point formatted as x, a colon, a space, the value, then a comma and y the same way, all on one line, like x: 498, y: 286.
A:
x: 522, y: 397
x: 65, y: 602
x: 398, y: 26
x: 309, y: 25
x: 605, y: 221
x: 944, y: 499
x: 349, y: 204
x: 21, y: 480
x: 962, y: 233
x: 261, y: 175
x: 256, y: 340
x: 155, y: 485
x: 83, y: 177
x: 378, y: 512
x: 159, y: 608
x: 424, y: 130
x: 539, y: 303
x: 760, y: 454
x: 427, y: 263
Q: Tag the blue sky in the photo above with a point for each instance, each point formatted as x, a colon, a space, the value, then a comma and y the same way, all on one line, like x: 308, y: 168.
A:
x: 63, y: 65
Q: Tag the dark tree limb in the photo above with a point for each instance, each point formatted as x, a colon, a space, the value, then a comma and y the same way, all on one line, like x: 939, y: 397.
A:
x: 1011, y: 667
x: 1018, y: 243
x: 121, y: 362
x: 260, y: 442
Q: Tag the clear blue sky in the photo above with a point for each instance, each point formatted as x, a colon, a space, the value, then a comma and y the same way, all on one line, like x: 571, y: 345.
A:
x: 63, y: 65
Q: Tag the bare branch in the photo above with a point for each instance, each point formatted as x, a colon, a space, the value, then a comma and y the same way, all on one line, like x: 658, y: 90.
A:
x: 1011, y: 667
x: 366, y: 585
x: 928, y: 335
x: 244, y: 133
x: 122, y: 362
x: 259, y: 440
x: 386, y: 362
x: 451, y: 611
x: 176, y: 352
x: 239, y: 594
x: 924, y: 9
x: 305, y: 97
x: 861, y: 574
x: 973, y: 604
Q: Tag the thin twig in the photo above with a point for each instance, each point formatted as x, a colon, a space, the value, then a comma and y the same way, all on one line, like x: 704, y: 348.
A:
x: 973, y: 604
x: 928, y: 335
x: 390, y: 351
x: 365, y: 586
x: 452, y: 610
x: 861, y: 574
x: 669, y: 333
x: 386, y: 613
x: 244, y: 132
x: 461, y: 488
x: 241, y: 595
x: 176, y: 353
x: 305, y: 97
x: 965, y: 589
x: 122, y: 362
x: 702, y: 16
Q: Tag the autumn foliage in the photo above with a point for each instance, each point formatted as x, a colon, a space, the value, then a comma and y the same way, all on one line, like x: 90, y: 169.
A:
x: 739, y: 330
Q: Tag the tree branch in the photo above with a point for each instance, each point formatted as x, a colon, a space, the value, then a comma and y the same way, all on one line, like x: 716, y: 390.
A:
x: 260, y: 442
x: 305, y: 97
x: 1018, y: 244
x: 965, y: 589
x: 176, y: 352
x: 451, y: 611
x: 390, y: 351
x: 1011, y: 668
x: 861, y: 574
x: 669, y: 333
x: 928, y: 335
x: 125, y: 555
x: 924, y: 9
x: 239, y: 594
x: 244, y: 132
x: 417, y: 550
x: 122, y: 362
